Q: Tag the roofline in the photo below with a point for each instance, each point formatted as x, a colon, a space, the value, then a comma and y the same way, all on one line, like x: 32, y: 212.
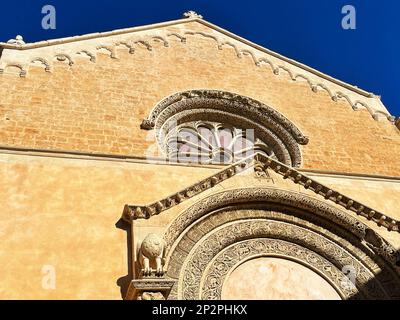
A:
x: 89, y: 36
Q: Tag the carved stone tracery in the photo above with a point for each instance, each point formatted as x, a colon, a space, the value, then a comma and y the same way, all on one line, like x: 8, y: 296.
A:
x: 325, y: 242
x: 213, y: 142
x: 307, y: 246
x: 218, y: 269
x: 271, y: 127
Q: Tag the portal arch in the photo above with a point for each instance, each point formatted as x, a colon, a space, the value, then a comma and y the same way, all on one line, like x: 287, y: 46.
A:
x: 219, y: 233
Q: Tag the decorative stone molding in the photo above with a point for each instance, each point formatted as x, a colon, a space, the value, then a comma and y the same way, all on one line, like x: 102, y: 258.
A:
x: 43, y: 62
x: 204, y: 142
x: 110, y: 50
x: 64, y: 57
x: 218, y: 269
x: 329, y: 194
x: 263, y: 163
x: 157, y: 116
x: 278, y: 65
x: 149, y: 289
x: 225, y: 262
x: 152, y: 253
x: 260, y: 173
x: 192, y: 15
x: 269, y: 125
x: 280, y: 197
x: 198, y: 256
x: 91, y: 56
x: 22, y: 69
x: 19, y: 41
x: 133, y: 212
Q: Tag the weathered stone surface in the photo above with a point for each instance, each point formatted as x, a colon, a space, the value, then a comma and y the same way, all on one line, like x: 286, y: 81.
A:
x: 91, y: 97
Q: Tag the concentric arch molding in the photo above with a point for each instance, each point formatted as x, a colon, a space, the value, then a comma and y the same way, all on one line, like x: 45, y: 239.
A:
x: 262, y: 163
x: 291, y: 233
x: 227, y: 260
x: 295, y: 200
x: 278, y: 132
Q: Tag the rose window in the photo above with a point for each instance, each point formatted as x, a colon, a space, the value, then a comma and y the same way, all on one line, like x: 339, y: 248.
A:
x: 213, y: 143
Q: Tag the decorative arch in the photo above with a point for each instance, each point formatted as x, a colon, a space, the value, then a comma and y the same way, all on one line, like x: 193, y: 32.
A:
x: 218, y: 233
x: 270, y: 126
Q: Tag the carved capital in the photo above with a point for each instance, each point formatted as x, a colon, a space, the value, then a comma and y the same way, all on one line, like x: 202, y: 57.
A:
x: 149, y: 289
x: 147, y: 124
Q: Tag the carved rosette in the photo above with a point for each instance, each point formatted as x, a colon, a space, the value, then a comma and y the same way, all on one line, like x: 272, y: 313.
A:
x: 269, y: 126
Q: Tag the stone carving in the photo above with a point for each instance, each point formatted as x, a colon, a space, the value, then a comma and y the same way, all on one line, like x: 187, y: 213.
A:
x: 151, y: 296
x: 269, y: 126
x: 126, y: 44
x: 64, y: 57
x: 89, y: 54
x: 220, y: 267
x: 192, y: 14
x: 192, y: 256
x: 329, y: 194
x: 161, y: 39
x: 139, y: 212
x: 289, y: 198
x: 19, y: 40
x: 110, y: 50
x: 43, y: 62
x: 145, y: 43
x: 22, y: 69
x: 313, y: 81
x: 262, y: 163
x: 212, y: 142
x: 149, y: 289
x: 260, y: 172
x: 272, y: 196
x: 152, y: 252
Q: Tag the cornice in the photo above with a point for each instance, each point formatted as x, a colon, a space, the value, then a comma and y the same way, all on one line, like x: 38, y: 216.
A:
x: 261, y: 163
x: 114, y: 157
x: 66, y: 49
x: 58, y: 41
x: 133, y: 212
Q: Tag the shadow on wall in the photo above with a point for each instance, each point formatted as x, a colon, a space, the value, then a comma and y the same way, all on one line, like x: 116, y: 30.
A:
x: 381, y: 278
x: 398, y: 258
x: 123, y: 282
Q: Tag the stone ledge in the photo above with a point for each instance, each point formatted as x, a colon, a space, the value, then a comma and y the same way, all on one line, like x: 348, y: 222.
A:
x: 149, y: 289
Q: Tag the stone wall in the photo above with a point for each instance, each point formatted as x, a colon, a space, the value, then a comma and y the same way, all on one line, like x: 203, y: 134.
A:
x: 65, y: 212
x: 98, y: 106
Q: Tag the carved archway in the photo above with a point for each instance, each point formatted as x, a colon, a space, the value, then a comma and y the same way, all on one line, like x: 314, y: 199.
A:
x: 211, y: 238
x: 270, y: 127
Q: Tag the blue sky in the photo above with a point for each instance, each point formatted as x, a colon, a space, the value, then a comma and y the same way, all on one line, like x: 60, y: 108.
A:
x: 305, y: 30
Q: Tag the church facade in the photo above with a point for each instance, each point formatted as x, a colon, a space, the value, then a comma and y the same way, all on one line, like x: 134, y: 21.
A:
x: 181, y: 161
